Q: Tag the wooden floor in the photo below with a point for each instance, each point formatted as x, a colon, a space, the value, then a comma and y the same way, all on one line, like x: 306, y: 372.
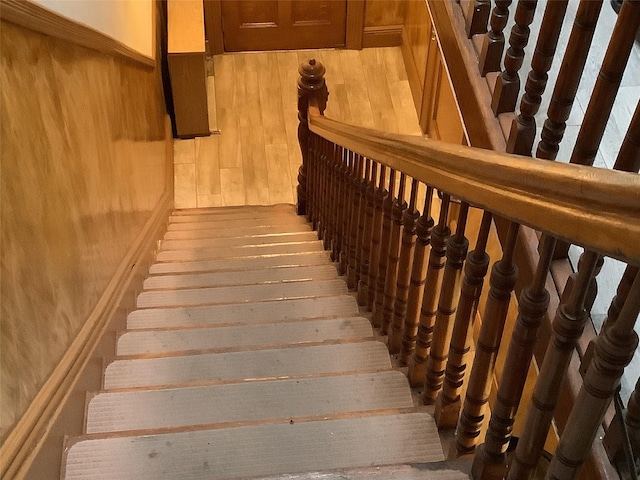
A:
x: 255, y: 158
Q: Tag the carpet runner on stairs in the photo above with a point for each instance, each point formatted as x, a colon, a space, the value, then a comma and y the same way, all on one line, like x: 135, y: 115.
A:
x: 247, y: 358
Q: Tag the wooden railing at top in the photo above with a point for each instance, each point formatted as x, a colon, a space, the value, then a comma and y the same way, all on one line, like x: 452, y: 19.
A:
x: 427, y: 305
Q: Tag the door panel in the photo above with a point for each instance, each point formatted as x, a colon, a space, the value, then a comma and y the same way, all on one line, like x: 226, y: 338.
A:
x: 283, y: 24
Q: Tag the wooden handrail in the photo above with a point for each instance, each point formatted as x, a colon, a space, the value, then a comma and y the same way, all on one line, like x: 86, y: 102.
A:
x: 596, y: 208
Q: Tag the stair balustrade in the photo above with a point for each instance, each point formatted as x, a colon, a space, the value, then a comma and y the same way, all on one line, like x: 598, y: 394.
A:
x: 433, y: 282
x: 477, y: 17
x: 523, y: 128
x: 507, y: 88
x: 565, y: 201
x: 493, y: 42
x: 424, y: 227
x: 407, y: 248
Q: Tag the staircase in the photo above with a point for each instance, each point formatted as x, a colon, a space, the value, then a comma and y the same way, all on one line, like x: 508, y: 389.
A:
x: 247, y: 357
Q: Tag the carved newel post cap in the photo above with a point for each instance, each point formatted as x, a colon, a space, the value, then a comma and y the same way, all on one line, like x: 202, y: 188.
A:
x: 312, y: 76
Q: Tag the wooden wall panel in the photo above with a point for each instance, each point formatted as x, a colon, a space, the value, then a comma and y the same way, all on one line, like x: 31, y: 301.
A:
x: 84, y: 165
x: 383, y: 20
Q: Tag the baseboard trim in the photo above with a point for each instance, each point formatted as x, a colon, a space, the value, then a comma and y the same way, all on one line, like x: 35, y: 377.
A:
x: 27, y: 438
x: 387, y: 36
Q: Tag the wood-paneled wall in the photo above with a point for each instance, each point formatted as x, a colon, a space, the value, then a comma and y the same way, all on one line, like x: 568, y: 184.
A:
x: 84, y: 169
x: 383, y: 20
x: 431, y: 87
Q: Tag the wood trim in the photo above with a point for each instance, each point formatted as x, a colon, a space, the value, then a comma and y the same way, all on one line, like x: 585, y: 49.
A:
x: 595, y: 208
x: 412, y: 71
x: 355, y: 24
x: 34, y: 17
x: 27, y: 438
x: 213, y: 27
x: 385, y: 36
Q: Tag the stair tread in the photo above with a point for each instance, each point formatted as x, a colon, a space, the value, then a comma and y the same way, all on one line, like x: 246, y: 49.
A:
x: 238, y: 251
x: 159, y: 341
x: 223, y: 242
x: 246, y: 277
x: 238, y: 402
x: 259, y: 215
x: 447, y: 470
x: 251, y: 231
x: 245, y: 313
x: 238, y: 223
x: 241, y: 293
x: 258, y: 450
x: 280, y: 207
x: 299, y: 360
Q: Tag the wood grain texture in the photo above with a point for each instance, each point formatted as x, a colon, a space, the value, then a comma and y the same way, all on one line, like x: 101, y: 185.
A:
x: 39, y: 19
x: 591, y: 207
x: 257, y: 91
x: 83, y: 167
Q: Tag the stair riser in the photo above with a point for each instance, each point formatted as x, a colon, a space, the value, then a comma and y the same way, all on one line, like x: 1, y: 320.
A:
x: 227, y: 242
x: 241, y: 251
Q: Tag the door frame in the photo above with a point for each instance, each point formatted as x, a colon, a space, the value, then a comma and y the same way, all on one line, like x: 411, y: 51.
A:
x: 213, y: 25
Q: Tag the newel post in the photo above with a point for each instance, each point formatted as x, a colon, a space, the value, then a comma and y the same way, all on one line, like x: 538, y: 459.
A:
x: 311, y: 87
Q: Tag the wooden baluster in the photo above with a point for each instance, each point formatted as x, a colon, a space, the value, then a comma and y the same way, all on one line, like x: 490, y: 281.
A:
x: 362, y: 216
x: 336, y: 239
x: 352, y: 266
x: 409, y: 220
x: 435, y: 270
x: 564, y: 92
x: 493, y: 43
x: 448, y: 403
x: 604, y: 92
x: 311, y: 85
x: 353, y: 221
x: 614, y: 438
x: 457, y: 247
x: 523, y: 127
x: 322, y: 191
x: 507, y: 88
x: 374, y: 259
x: 614, y: 350
x: 363, y: 285
x: 607, y: 84
x: 347, y: 241
x: 341, y: 205
x: 325, y: 202
x: 387, y: 222
x: 502, y: 282
x: 477, y: 17
x: 390, y: 284
x: 418, y: 276
x: 568, y: 325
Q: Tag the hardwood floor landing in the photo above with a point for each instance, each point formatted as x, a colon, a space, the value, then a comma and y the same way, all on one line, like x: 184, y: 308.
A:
x: 255, y: 158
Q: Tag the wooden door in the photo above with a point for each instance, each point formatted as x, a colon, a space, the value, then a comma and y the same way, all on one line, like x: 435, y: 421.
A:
x: 283, y: 24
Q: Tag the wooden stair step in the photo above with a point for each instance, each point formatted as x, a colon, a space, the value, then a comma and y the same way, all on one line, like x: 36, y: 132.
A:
x: 239, y: 251
x: 241, y: 293
x: 281, y: 207
x: 260, y: 215
x: 238, y: 223
x: 257, y: 450
x: 243, y: 263
x: 138, y: 342
x: 246, y: 401
x: 252, y: 231
x: 298, y: 360
x: 246, y: 277
x: 244, y: 313
x: 447, y: 470
x: 225, y: 242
